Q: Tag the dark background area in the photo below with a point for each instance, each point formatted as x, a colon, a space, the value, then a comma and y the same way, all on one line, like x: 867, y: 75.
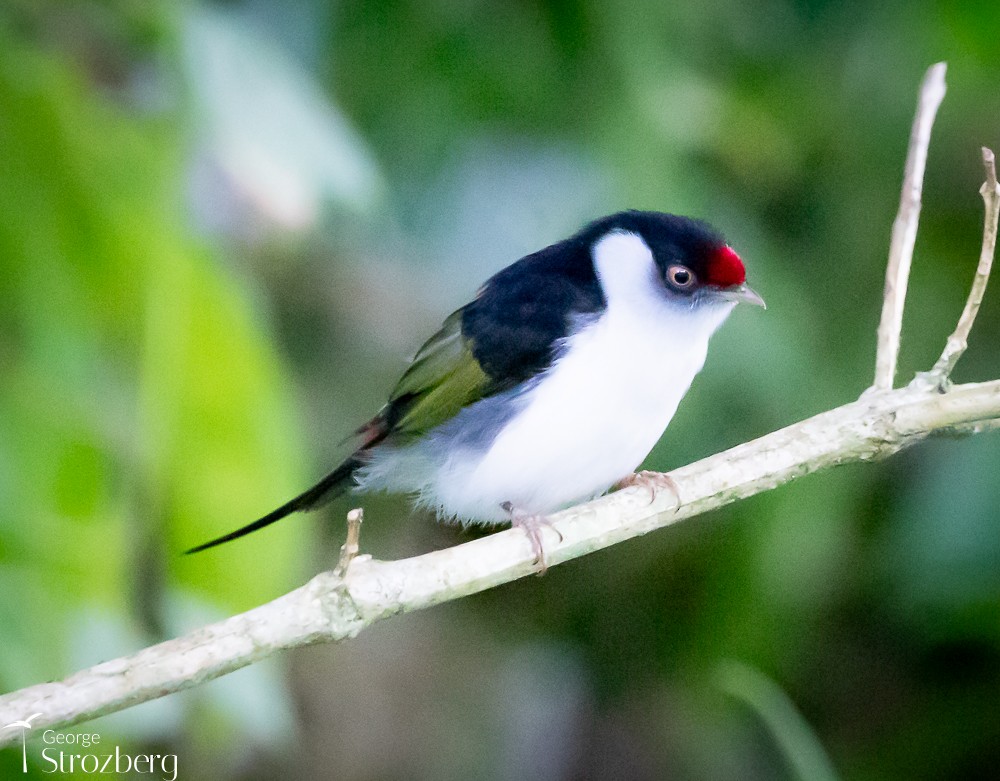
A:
x: 224, y: 229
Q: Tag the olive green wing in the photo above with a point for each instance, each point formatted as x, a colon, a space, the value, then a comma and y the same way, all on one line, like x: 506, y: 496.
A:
x: 443, y: 378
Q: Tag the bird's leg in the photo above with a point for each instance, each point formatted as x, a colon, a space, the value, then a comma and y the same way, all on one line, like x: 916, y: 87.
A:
x: 532, y: 524
x: 652, y: 482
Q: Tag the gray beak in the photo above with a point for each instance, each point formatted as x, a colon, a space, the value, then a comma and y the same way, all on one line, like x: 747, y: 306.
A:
x: 741, y: 294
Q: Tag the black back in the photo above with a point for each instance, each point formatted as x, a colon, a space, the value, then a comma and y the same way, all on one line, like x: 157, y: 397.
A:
x: 521, y: 314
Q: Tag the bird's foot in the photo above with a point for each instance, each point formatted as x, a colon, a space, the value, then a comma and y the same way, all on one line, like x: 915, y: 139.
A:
x: 533, y: 524
x: 652, y: 482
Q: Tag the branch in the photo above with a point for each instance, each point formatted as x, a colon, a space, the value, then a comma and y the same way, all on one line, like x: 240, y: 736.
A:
x: 904, y: 229
x: 958, y: 341
x: 337, y: 605
x: 331, y: 608
x: 349, y: 550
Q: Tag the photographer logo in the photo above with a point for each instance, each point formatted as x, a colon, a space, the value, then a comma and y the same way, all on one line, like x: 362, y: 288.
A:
x: 83, y: 753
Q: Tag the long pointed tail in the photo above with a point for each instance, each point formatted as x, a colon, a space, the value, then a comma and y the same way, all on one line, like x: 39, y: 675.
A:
x: 330, y: 487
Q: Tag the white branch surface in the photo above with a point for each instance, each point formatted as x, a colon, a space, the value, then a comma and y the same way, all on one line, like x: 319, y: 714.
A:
x: 904, y: 228
x: 329, y: 608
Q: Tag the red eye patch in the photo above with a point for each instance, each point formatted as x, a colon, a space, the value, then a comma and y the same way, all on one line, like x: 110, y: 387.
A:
x: 725, y: 268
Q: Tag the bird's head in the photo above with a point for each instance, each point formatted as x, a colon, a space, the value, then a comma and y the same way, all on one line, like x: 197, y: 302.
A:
x: 683, y: 260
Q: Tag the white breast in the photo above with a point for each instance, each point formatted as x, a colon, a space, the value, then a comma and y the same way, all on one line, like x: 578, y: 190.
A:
x: 596, y: 414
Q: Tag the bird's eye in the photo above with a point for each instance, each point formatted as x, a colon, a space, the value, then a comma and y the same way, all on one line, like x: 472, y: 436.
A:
x: 680, y: 277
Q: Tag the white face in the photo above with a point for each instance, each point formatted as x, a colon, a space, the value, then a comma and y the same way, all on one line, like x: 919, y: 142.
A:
x: 625, y: 265
x: 629, y: 276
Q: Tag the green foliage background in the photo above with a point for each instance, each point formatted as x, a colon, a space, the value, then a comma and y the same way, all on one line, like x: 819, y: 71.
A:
x: 224, y: 227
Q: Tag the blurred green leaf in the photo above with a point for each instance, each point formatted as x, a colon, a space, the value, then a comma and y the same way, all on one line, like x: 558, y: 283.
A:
x: 142, y: 406
x: 799, y: 744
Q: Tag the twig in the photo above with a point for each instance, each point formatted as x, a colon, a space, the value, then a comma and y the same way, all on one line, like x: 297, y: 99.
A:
x: 958, y: 341
x: 904, y: 229
x: 350, y: 548
x: 330, y: 608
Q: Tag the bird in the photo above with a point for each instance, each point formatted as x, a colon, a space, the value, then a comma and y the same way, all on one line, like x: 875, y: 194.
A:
x: 553, y: 384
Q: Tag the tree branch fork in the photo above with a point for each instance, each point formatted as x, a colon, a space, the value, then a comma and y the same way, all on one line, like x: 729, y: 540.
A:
x: 338, y: 604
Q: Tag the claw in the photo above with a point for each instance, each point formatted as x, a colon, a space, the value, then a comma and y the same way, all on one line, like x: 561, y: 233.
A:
x: 652, y: 482
x: 532, y: 525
